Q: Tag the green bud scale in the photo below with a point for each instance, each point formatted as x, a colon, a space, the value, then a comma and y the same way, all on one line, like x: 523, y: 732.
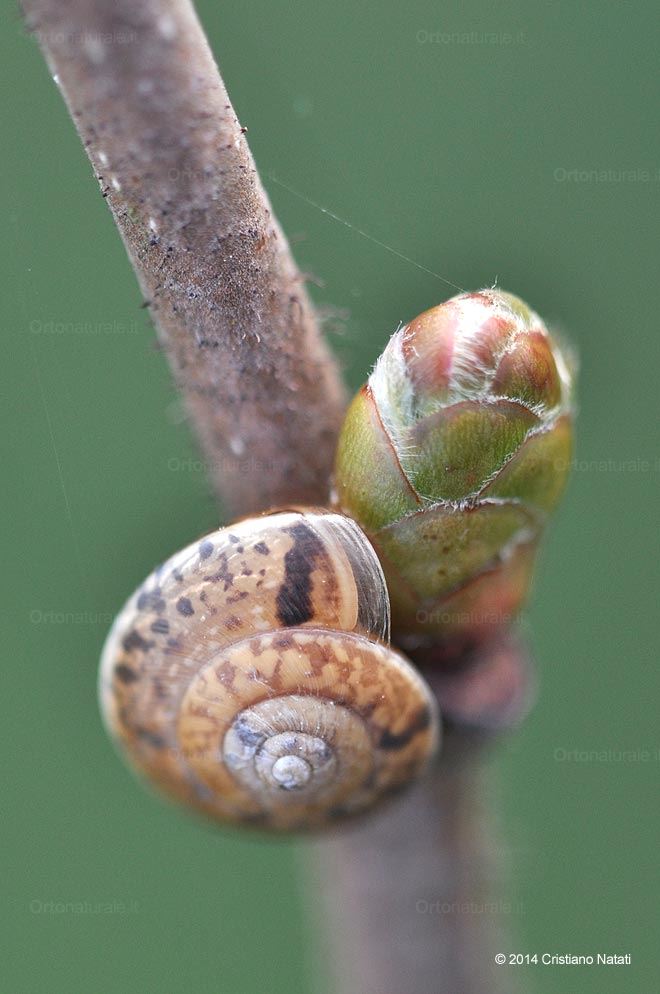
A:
x: 451, y: 458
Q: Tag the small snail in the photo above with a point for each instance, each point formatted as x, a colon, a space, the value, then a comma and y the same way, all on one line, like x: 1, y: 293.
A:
x: 251, y: 678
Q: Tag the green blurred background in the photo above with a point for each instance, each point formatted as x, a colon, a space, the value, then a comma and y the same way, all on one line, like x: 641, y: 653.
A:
x: 458, y: 151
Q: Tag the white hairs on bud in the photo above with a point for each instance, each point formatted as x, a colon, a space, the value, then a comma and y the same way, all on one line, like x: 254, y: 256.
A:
x: 470, y: 377
x: 392, y: 388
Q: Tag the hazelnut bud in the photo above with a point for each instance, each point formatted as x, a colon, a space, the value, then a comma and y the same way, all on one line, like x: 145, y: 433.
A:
x: 451, y: 458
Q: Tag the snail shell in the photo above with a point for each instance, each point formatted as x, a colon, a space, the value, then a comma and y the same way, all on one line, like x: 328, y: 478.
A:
x: 250, y: 676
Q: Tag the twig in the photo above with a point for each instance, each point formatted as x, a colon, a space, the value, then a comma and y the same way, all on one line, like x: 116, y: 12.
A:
x: 266, y: 399
x: 413, y: 891
x: 410, y: 891
x: 228, y: 302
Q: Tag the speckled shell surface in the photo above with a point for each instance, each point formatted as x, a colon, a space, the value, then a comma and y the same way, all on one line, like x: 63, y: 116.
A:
x: 249, y: 676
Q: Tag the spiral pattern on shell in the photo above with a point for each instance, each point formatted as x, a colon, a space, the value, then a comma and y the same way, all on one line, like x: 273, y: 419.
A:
x: 250, y: 677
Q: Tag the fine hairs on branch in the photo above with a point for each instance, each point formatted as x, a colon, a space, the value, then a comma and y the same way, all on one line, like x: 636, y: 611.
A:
x: 234, y: 319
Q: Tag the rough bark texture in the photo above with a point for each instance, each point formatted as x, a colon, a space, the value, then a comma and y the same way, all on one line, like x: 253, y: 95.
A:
x: 229, y: 304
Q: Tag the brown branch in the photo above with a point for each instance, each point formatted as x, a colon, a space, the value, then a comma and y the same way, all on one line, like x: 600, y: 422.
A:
x: 265, y: 397
x: 409, y: 892
x: 412, y: 894
x: 229, y: 304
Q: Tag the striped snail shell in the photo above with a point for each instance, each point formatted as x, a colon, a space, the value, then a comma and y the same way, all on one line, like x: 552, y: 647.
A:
x: 250, y: 676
